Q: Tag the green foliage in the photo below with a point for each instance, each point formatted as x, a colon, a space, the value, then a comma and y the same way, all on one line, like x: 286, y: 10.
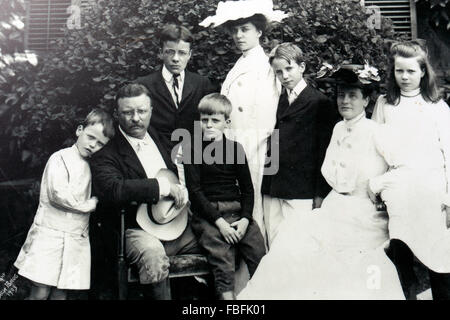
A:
x: 41, y: 106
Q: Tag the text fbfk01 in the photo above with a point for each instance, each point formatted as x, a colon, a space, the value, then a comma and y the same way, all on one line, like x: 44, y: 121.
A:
x: 214, y: 153
x: 229, y: 309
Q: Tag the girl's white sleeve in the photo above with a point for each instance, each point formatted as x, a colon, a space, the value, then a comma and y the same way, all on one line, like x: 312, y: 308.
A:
x: 58, y: 190
x: 444, y: 140
x: 378, y: 110
x: 381, y: 139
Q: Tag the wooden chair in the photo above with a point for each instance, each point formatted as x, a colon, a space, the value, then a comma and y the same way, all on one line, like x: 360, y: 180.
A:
x: 187, y: 265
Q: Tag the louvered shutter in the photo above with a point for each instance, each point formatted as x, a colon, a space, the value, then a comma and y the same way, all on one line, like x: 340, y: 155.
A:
x: 46, y: 20
x: 401, y: 12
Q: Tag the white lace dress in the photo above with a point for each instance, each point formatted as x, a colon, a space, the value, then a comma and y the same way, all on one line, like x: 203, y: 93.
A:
x: 337, y: 251
x: 253, y: 91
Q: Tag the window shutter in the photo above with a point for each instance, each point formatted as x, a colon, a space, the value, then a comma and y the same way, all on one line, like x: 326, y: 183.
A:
x: 401, y: 12
x: 46, y: 20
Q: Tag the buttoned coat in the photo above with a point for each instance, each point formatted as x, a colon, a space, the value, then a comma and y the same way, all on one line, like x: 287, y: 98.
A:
x: 304, y: 129
x: 166, y: 117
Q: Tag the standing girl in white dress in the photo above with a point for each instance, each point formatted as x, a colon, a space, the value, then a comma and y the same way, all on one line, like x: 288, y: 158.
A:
x: 56, y: 255
x: 337, y: 251
x: 416, y: 188
x: 251, y: 84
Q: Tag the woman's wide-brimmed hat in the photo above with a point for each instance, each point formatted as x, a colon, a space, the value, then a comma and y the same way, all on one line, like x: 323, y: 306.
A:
x: 162, y: 219
x: 234, y: 10
x: 350, y: 74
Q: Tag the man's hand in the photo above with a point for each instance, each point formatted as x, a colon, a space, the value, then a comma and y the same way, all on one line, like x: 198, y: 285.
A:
x: 241, y: 227
x: 317, y: 202
x: 228, y: 232
x: 177, y: 192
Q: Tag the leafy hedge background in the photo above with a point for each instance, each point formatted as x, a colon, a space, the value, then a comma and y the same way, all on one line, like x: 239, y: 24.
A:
x: 40, y: 106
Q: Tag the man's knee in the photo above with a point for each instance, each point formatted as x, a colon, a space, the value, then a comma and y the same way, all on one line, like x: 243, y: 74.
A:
x: 153, y: 266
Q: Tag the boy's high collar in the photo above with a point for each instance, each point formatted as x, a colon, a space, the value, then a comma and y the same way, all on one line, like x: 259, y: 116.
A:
x: 298, y: 87
x: 168, y: 76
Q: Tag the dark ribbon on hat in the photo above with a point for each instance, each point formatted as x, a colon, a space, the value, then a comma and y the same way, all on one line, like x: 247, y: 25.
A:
x: 150, y: 215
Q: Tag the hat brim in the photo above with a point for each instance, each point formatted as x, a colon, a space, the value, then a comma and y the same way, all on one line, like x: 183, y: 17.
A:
x: 235, y: 10
x: 162, y: 219
x: 166, y: 231
x: 346, y: 76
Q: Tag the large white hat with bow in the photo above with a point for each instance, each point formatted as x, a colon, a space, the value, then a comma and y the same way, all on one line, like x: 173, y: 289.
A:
x: 234, y: 10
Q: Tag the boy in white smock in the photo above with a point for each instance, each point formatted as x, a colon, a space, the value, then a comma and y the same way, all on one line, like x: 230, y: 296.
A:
x: 56, y: 255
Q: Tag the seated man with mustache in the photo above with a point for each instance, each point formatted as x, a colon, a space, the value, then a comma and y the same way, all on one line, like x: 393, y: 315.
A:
x: 124, y: 175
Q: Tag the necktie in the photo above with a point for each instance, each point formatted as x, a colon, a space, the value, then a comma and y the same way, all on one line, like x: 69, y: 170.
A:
x: 291, y: 96
x: 176, y: 88
x: 283, y: 103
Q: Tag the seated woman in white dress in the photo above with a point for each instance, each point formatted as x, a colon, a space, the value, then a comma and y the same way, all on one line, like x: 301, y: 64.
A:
x: 337, y: 251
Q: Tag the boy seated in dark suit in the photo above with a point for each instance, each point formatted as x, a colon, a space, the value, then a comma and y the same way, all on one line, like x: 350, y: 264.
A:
x: 304, y: 123
x: 221, y: 193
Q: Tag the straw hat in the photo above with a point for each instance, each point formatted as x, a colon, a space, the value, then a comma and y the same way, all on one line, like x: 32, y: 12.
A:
x: 234, y: 10
x: 162, y: 219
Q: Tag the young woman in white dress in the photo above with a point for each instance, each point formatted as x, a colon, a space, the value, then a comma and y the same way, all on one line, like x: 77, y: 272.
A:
x: 337, y: 251
x: 416, y: 188
x: 251, y: 84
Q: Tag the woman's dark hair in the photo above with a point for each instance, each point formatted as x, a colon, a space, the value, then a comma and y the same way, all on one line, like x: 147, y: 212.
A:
x: 258, y: 20
x: 366, y: 90
x: 348, y: 78
x: 428, y: 86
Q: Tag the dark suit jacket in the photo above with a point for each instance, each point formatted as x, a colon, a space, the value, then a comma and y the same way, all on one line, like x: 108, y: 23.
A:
x: 305, y: 129
x: 166, y: 117
x: 120, y: 181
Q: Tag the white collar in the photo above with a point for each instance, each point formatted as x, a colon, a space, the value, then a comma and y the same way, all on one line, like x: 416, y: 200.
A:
x: 75, y: 150
x: 255, y: 51
x: 351, y: 123
x: 135, y: 142
x: 168, y: 76
x: 301, y: 85
x: 410, y: 94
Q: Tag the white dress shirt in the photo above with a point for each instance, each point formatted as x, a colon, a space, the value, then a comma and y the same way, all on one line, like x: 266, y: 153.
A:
x: 168, y: 79
x: 150, y: 158
x: 294, y: 93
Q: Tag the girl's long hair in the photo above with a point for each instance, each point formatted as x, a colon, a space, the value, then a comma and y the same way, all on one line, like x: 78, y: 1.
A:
x: 428, y: 85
